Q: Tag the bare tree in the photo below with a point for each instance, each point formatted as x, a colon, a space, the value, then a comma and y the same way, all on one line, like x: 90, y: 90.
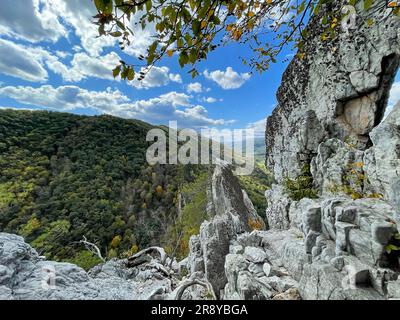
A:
x: 92, y: 248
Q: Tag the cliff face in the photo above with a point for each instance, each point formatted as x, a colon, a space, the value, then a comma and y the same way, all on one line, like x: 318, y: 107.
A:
x: 338, y: 90
x: 329, y: 118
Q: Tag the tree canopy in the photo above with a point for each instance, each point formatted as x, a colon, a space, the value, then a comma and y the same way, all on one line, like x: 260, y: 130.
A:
x: 191, y: 29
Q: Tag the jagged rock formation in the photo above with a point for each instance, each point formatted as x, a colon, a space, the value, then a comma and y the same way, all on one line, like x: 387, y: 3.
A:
x: 329, y: 113
x: 338, y: 90
x: 25, y: 275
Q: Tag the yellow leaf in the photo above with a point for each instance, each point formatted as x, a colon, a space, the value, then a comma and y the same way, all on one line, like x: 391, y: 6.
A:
x: 324, y: 37
x: 170, y: 53
x: 203, y: 24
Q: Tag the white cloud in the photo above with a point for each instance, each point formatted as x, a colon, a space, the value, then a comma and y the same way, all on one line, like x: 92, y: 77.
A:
x: 175, y: 77
x: 22, y: 62
x: 65, y: 97
x: 228, y: 79
x: 394, y: 98
x: 99, y: 67
x: 394, y: 94
x: 31, y: 20
x: 62, y: 54
x: 195, y: 87
x: 258, y: 127
x: 161, y: 109
x: 29, y: 63
x: 156, y: 77
x: 78, y: 14
x: 209, y: 99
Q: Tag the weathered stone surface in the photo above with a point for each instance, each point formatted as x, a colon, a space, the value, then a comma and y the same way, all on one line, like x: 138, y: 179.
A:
x: 382, y: 161
x: 215, y: 237
x: 291, y: 294
x: 334, y: 165
x: 382, y: 232
x: 393, y: 289
x: 312, y: 219
x: 236, y: 249
x: 363, y: 81
x: 33, y: 278
x: 255, y: 255
x: 231, y: 210
x: 338, y: 90
x: 195, y: 260
x: 281, y: 284
x: 278, y: 207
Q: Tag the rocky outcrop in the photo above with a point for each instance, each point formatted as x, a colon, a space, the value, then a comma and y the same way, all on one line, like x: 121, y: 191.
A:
x: 339, y: 89
x: 24, y: 275
x: 232, y: 212
x: 382, y: 161
x: 329, y: 117
x: 341, y: 249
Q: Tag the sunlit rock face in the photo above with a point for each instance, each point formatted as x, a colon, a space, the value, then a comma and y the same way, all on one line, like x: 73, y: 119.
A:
x: 338, y: 90
x: 331, y: 106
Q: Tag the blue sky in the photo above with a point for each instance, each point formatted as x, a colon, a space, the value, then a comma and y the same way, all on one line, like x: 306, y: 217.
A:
x: 51, y: 59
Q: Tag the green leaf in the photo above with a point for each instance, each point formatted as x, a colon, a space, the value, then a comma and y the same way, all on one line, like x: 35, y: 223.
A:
x: 117, y: 71
x: 301, y: 8
x: 196, y: 25
x: 116, y: 34
x: 99, y: 5
x: 368, y: 4
x: 131, y: 74
x: 120, y: 25
x: 183, y: 59
x: 148, y: 5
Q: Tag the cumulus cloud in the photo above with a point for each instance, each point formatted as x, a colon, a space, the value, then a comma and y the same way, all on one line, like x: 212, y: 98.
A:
x: 22, y: 62
x: 195, y: 87
x: 394, y: 98
x: 395, y: 93
x: 65, y: 98
x: 84, y: 66
x: 78, y: 14
x: 30, y: 20
x: 209, y: 99
x: 228, y: 79
x: 161, y: 109
x: 156, y: 77
x: 175, y: 77
x: 28, y: 63
x: 258, y: 127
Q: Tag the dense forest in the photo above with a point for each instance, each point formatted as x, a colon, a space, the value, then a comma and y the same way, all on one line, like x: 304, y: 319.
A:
x: 64, y: 177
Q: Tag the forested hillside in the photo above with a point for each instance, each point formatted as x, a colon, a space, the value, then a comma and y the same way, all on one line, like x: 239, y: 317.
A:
x: 65, y: 176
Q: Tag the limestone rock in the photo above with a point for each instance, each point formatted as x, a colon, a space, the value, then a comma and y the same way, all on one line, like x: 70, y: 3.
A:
x: 278, y: 207
x: 26, y: 276
x: 339, y: 90
x: 382, y: 161
x: 291, y: 294
x: 255, y: 255
x: 334, y: 165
